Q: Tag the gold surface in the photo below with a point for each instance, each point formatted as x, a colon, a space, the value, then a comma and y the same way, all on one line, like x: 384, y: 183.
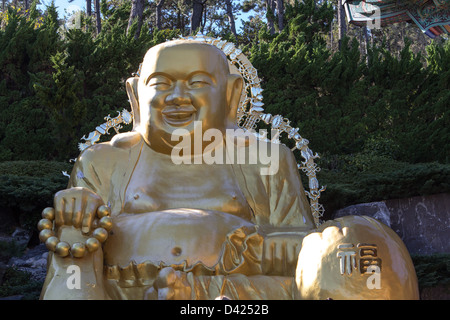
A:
x: 321, y: 259
x: 78, y: 249
x: 249, y: 113
x: 48, y: 213
x: 198, y: 231
x: 51, y: 243
x: 45, y: 234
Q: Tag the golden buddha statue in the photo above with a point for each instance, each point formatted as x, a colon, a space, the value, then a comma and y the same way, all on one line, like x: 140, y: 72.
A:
x: 201, y: 231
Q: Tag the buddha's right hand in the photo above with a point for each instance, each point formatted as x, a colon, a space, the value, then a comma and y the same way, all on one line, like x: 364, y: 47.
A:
x: 76, y: 207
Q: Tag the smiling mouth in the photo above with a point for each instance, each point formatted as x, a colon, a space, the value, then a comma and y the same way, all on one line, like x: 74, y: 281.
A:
x: 179, y: 116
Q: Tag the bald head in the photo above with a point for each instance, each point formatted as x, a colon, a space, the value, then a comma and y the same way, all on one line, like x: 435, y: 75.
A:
x: 183, y: 84
x: 175, y: 54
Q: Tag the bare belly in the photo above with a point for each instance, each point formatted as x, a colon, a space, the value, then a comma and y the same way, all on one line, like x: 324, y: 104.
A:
x: 170, y: 237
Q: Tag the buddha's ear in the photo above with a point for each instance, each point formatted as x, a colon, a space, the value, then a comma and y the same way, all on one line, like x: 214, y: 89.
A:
x: 234, y: 91
x: 131, y: 86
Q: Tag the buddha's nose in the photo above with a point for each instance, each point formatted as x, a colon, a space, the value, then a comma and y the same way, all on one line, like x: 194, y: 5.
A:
x: 179, y: 95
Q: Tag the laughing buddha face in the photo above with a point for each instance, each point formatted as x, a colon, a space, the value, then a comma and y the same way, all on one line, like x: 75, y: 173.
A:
x: 184, y: 83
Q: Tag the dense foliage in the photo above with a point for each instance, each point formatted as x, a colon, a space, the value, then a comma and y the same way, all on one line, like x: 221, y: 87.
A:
x: 27, y: 187
x: 20, y: 283
x: 433, y: 270
x: 341, y: 102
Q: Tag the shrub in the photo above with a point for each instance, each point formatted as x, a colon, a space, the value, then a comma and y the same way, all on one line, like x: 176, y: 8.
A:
x: 347, y: 185
x: 432, y: 270
x: 27, y: 187
x: 9, y: 249
x: 18, y: 282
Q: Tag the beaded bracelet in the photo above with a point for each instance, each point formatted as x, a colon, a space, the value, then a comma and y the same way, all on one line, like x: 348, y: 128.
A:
x: 78, y: 249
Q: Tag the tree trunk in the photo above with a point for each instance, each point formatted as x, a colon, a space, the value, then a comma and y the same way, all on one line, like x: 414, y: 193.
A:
x: 230, y: 15
x: 331, y: 36
x: 205, y: 11
x: 388, y: 42
x: 159, y: 14
x: 137, y: 11
x: 97, y: 16
x: 197, y: 14
x: 366, y: 43
x: 360, y: 40
x: 341, y: 22
x: 366, y: 38
x: 280, y: 12
x: 180, y: 24
x: 402, y: 33
x: 89, y: 7
x: 270, y: 7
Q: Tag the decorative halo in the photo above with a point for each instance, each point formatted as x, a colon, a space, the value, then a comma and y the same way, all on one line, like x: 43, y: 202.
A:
x: 250, y: 112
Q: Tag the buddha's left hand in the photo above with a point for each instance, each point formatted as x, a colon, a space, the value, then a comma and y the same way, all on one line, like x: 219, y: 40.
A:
x: 170, y: 285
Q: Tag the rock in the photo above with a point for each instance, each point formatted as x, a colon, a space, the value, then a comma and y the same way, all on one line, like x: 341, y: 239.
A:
x: 376, y: 210
x: 3, y: 268
x: 16, y: 297
x: 439, y: 292
x: 33, y: 261
x: 21, y: 236
x: 423, y: 222
x: 8, y: 220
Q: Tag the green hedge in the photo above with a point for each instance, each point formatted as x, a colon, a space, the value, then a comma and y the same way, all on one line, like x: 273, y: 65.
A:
x: 18, y: 282
x: 398, y: 180
x: 433, y: 270
x: 27, y: 187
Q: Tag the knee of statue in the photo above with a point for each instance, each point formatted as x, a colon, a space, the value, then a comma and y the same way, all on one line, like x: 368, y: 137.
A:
x: 355, y: 257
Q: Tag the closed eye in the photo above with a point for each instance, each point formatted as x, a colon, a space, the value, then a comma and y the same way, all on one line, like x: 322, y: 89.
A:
x: 159, y: 82
x: 200, y: 80
x: 198, y: 84
x: 160, y: 85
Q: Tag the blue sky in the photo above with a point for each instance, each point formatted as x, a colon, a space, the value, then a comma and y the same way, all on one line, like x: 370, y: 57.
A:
x: 64, y: 5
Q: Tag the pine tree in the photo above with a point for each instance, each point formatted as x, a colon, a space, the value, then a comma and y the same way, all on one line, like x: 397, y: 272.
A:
x: 25, y: 47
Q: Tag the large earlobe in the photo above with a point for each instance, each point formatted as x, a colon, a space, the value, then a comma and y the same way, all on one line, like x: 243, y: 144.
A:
x: 234, y: 92
x: 131, y: 86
